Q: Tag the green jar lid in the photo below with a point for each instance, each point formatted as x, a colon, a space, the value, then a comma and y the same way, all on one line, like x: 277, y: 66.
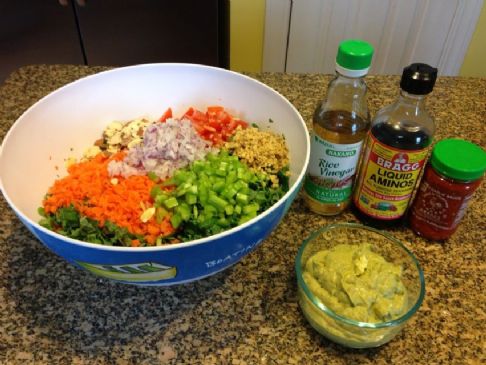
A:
x: 458, y: 159
x: 354, y: 54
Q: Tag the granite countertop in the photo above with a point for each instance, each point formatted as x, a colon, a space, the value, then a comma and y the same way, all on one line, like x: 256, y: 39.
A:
x: 51, y: 312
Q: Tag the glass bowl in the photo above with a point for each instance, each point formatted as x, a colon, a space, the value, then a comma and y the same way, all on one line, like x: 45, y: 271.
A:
x: 336, y: 305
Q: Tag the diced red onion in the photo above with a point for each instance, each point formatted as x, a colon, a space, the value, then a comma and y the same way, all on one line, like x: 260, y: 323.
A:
x: 166, y: 147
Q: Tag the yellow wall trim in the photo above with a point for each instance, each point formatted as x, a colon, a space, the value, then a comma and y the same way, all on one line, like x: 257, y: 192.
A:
x: 247, y: 21
x: 475, y: 60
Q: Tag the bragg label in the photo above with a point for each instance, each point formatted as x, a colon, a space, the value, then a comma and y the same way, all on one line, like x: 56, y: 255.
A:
x: 388, y: 178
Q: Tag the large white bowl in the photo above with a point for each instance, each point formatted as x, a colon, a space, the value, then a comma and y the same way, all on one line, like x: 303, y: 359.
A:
x: 65, y: 122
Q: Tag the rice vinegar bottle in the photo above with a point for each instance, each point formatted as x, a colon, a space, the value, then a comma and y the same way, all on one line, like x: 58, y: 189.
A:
x: 340, y: 125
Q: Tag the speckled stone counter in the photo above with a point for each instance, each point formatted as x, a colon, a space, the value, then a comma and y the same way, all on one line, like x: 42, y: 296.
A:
x: 52, y: 313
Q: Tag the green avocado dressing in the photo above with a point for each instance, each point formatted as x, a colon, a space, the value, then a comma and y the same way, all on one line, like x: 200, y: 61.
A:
x: 357, y: 283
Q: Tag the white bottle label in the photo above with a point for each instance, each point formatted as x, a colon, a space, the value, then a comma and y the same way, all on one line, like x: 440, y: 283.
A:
x: 331, y: 170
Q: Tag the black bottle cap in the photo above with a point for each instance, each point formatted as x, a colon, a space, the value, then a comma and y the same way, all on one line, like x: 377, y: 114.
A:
x: 418, y: 78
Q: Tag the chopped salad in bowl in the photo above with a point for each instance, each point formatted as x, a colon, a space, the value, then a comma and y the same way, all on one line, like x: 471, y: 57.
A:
x: 159, y: 199
x: 170, y: 180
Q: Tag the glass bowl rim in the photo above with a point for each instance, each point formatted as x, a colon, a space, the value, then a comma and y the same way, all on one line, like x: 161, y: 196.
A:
x: 350, y: 321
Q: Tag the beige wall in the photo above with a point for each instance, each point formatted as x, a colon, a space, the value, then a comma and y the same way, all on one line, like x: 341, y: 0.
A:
x: 247, y: 29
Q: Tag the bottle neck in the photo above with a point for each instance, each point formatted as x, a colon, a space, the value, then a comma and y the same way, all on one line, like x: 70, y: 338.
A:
x: 349, y: 78
x: 342, y: 80
x: 412, y: 100
x: 347, y: 94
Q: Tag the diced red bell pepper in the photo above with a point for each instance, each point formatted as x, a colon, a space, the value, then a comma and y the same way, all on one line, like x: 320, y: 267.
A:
x: 166, y: 115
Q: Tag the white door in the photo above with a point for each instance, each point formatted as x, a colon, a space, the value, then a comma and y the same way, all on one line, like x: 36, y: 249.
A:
x: 303, y: 35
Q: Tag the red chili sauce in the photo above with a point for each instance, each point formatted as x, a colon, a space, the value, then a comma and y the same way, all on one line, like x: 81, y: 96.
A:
x: 453, y: 174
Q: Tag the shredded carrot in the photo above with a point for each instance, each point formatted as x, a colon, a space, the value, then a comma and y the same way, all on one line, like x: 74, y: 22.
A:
x: 89, y: 189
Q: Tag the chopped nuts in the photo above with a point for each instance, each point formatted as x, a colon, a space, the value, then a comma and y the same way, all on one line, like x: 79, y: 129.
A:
x: 147, y: 214
x: 91, y: 152
x: 118, y: 135
x: 262, y: 151
x: 70, y: 161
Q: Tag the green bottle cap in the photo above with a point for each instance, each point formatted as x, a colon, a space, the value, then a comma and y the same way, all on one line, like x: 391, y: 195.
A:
x: 458, y: 159
x: 354, y: 54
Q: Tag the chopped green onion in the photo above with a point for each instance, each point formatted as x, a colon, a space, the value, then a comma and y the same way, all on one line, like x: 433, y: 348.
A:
x: 213, y: 194
x: 153, y: 176
x: 171, y: 202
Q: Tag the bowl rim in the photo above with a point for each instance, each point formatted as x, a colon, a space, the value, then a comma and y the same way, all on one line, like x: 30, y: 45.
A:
x: 346, y: 320
x: 295, y: 186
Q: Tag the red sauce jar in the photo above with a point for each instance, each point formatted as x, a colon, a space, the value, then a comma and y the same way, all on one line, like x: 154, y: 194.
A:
x: 452, y: 175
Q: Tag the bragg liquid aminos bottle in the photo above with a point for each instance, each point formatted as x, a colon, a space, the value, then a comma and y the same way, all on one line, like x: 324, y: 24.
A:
x: 396, y: 150
x: 340, y: 124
